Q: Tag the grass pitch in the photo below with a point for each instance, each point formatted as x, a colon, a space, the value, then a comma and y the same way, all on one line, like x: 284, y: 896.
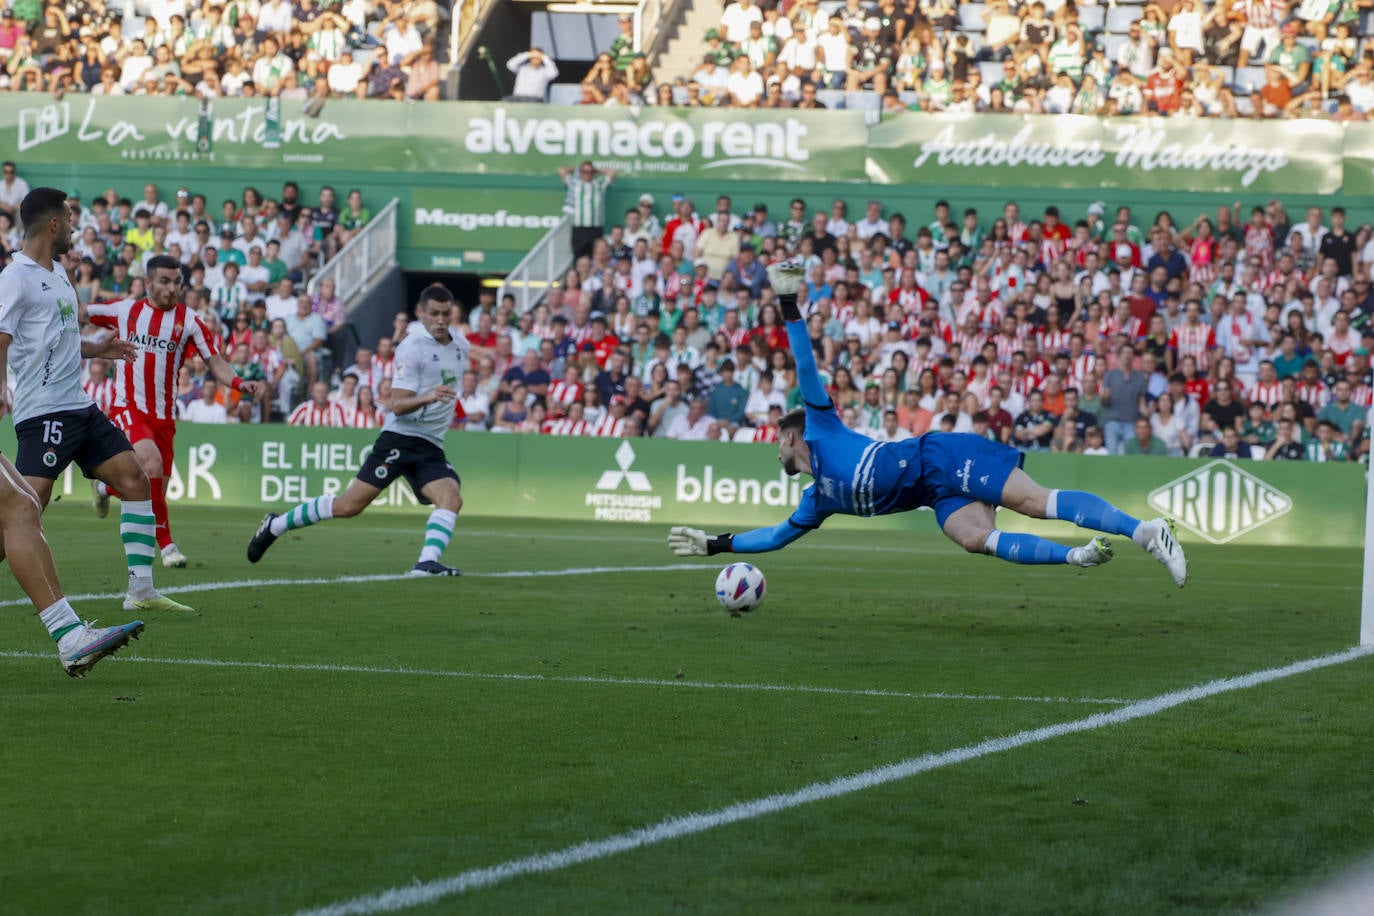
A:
x: 213, y: 769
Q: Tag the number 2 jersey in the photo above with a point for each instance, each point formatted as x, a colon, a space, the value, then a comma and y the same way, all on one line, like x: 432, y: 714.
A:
x: 423, y: 364
x: 149, y: 383
x: 38, y: 309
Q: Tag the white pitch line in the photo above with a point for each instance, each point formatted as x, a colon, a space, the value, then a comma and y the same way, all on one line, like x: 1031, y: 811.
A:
x: 589, y: 679
x: 382, y: 577
x: 399, y: 898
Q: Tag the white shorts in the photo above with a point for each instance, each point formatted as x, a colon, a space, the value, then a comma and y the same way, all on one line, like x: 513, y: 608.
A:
x: 1251, y: 38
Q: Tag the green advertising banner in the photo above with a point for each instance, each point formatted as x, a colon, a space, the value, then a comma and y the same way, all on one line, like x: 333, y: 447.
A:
x: 470, y: 137
x: 470, y: 224
x: 737, y: 486
x: 1358, y: 164
x: 1070, y: 151
x: 1303, y: 157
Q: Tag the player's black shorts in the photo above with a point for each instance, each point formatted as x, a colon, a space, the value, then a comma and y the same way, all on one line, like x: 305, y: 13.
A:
x: 49, y: 443
x: 418, y: 460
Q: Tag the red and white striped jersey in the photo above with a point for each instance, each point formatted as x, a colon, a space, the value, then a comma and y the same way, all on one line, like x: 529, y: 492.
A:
x: 1259, y: 244
x: 843, y: 313
x: 308, y: 414
x: 1083, y: 365
x: 566, y: 427
x: 736, y: 338
x: 1363, y: 395
x: 368, y: 419
x: 765, y: 433
x: 969, y: 343
x: 1053, y: 341
x: 561, y: 394
x: 1267, y: 393
x: 909, y: 300
x: 149, y: 383
x: 580, y: 335
x: 102, y: 391
x: 609, y: 426
x: 1195, y: 340
x: 383, y: 367
x: 980, y: 389
x: 1007, y: 347
x: 1024, y: 385
x: 1314, y: 393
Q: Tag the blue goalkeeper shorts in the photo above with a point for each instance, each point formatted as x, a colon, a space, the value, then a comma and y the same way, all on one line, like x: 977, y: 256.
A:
x: 961, y: 468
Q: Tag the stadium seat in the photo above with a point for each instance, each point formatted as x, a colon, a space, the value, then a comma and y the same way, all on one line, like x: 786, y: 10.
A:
x: 830, y: 7
x: 1367, y: 22
x: 1052, y: 6
x: 1243, y: 106
x: 909, y: 97
x: 1091, y: 18
x: 744, y: 434
x: 831, y: 98
x: 992, y: 72
x: 565, y: 94
x: 1112, y: 44
x: 863, y: 101
x: 1257, y: 452
x: 971, y: 17
x: 1248, y: 79
x: 1119, y: 18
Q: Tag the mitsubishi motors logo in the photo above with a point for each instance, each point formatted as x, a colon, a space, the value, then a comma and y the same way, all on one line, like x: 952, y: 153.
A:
x: 611, y: 480
x: 638, y: 505
x: 1220, y: 502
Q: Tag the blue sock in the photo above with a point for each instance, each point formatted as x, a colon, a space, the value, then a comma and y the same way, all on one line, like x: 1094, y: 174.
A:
x: 1088, y: 511
x: 1027, y: 549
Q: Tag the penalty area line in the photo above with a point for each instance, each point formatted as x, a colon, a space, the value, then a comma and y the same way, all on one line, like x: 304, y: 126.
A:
x: 586, y: 679
x: 412, y: 895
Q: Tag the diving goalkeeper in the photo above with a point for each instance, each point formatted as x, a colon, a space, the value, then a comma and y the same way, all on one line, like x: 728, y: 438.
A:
x: 963, y: 477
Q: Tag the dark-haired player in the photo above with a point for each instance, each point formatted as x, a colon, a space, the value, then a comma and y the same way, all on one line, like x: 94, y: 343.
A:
x: 429, y: 362
x: 55, y: 420
x: 162, y: 330
x: 963, y: 477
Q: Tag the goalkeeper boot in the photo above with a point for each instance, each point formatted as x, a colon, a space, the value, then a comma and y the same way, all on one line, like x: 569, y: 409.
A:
x: 91, y: 645
x: 262, y: 538
x: 1165, y: 548
x: 1095, y: 553
x: 173, y: 558
x: 434, y: 568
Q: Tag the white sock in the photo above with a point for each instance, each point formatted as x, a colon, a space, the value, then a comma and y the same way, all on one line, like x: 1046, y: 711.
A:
x: 438, y: 531
x: 102, y: 490
x: 136, y: 528
x: 1145, y: 533
x: 62, y: 623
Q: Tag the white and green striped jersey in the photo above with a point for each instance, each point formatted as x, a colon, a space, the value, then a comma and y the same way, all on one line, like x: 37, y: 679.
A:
x: 586, y: 201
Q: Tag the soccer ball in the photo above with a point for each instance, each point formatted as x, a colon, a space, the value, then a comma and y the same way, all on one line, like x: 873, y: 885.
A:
x: 740, y: 587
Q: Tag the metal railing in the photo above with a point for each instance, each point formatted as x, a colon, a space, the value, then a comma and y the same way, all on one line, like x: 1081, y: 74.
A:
x: 651, y: 19
x: 542, y: 269
x: 367, y: 254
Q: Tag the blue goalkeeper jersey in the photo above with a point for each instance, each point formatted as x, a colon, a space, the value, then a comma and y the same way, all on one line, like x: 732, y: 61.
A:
x: 853, y: 474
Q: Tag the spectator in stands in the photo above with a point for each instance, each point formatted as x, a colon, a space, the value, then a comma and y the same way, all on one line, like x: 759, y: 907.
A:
x: 533, y: 73
x: 586, y: 203
x: 206, y: 408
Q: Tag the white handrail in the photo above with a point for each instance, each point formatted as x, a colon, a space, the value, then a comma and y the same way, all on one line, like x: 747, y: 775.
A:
x: 540, y: 270
x: 366, y: 255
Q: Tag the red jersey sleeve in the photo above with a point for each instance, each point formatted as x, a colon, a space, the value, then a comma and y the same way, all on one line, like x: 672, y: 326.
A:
x: 106, y: 314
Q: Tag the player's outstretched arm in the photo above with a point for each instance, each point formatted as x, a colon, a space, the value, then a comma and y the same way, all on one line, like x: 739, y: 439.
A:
x: 786, y: 280
x: 693, y: 542
x: 226, y: 376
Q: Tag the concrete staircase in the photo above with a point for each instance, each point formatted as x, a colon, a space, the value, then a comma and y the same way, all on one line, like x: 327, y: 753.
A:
x: 681, y: 56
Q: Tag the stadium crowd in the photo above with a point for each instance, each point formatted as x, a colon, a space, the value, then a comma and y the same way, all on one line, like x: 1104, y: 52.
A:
x: 1222, y: 58
x: 296, y: 49
x: 247, y: 262
x: 1242, y: 334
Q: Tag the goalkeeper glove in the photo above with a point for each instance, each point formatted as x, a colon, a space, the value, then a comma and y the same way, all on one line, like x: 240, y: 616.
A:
x: 786, y: 279
x: 693, y: 542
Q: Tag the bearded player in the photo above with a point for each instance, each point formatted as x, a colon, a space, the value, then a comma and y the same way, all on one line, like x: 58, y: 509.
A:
x: 55, y: 420
x: 429, y: 362
x: 963, y: 477
x: 164, y: 331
